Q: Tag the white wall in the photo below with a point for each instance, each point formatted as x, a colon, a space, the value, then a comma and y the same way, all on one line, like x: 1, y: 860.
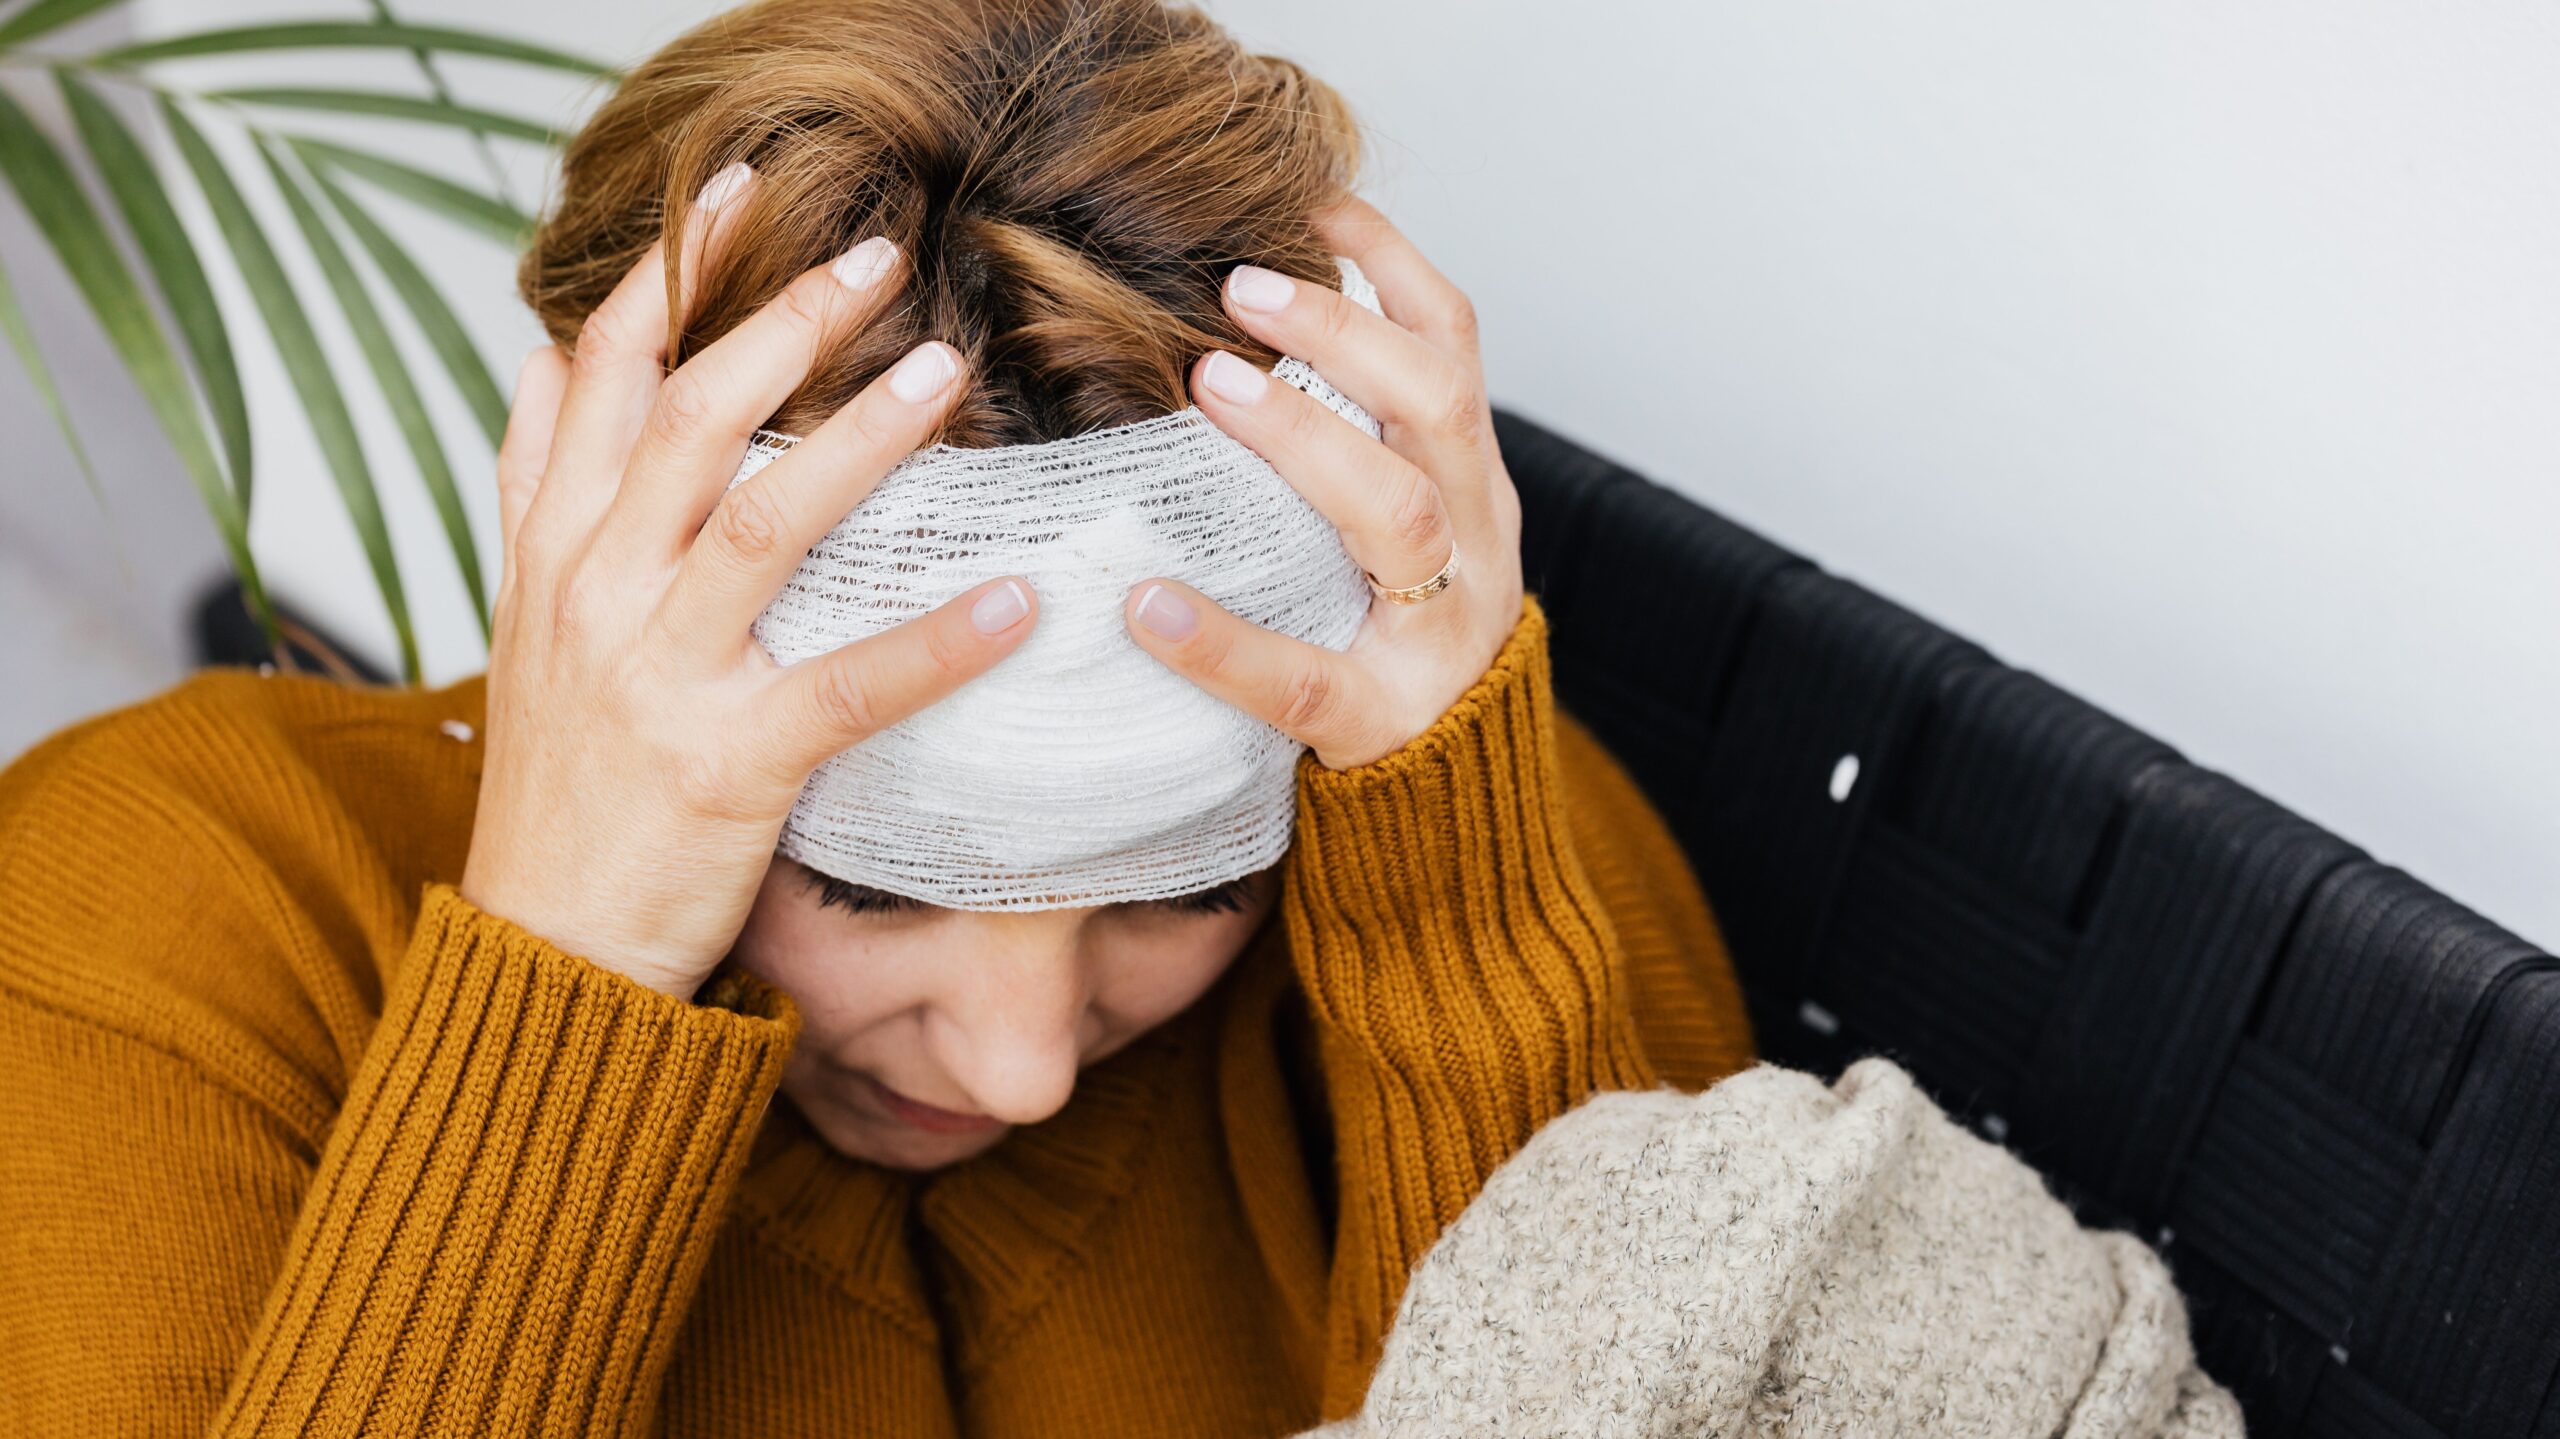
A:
x: 2202, y: 358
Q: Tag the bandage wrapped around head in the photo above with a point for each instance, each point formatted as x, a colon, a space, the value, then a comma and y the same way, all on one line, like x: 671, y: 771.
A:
x: 1078, y: 770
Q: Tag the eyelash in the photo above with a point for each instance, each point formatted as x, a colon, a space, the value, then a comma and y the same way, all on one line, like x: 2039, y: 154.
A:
x: 1228, y: 898
x: 858, y: 898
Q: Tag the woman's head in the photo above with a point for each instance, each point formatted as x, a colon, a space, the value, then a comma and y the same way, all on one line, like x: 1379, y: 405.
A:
x: 1069, y: 182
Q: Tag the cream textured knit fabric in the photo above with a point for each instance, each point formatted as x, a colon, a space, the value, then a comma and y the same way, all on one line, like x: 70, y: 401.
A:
x: 1778, y: 1257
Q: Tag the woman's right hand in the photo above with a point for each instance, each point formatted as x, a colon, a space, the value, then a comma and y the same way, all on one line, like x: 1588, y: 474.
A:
x: 643, y: 749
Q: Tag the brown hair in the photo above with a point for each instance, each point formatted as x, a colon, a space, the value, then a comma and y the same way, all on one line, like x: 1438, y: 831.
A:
x: 1069, y: 179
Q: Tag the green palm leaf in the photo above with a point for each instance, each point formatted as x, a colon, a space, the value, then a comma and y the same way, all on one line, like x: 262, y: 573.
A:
x: 436, y: 320
x: 22, y: 338
x: 78, y: 236
x: 194, y: 386
x: 433, y: 72
x: 390, y: 372
x: 492, y: 216
x: 46, y: 16
x: 340, y: 34
x: 306, y: 364
x: 397, y: 107
x: 171, y: 257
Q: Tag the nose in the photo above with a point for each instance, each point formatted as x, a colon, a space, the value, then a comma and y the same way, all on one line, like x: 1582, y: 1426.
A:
x: 1011, y: 1037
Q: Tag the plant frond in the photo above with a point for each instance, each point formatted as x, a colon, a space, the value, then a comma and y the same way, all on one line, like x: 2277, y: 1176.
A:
x: 347, y: 34
x: 490, y: 215
x: 72, y: 226
x: 143, y: 199
x: 390, y: 373
x: 306, y: 363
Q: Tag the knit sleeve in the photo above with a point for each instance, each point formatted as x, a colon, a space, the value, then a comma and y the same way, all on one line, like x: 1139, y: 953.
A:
x: 1465, y: 982
x: 516, y: 1201
x: 489, y: 1220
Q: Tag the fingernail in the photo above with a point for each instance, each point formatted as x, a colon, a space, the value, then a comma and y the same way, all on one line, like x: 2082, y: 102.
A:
x: 1166, y: 614
x: 924, y: 373
x: 1234, y: 380
x: 1000, y: 608
x: 720, y: 189
x: 861, y: 267
x: 1265, y: 292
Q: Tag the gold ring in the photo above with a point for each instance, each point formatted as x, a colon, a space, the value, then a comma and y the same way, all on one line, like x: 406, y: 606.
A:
x: 1416, y: 594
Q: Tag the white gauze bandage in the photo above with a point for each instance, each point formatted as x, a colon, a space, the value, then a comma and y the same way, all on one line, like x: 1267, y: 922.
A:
x: 1079, y: 770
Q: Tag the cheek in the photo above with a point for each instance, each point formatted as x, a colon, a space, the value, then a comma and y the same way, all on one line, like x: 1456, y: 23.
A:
x: 844, y: 978
x: 1158, y: 971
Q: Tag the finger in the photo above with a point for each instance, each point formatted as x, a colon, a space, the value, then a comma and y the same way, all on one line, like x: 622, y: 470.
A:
x: 1416, y: 295
x: 713, y: 404
x: 761, y: 530
x: 620, y: 360
x: 1389, y: 511
x: 540, y: 383
x: 831, y: 702
x: 1322, y: 699
x: 1431, y: 408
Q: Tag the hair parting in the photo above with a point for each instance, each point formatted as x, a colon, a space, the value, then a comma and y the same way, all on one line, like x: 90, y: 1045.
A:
x: 1070, y: 181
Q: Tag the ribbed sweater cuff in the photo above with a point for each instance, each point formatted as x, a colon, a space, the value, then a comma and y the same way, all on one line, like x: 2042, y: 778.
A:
x: 1447, y: 931
x: 516, y: 1202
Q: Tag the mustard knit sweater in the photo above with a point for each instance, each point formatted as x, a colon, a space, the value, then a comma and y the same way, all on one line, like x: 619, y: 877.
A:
x: 293, y: 1140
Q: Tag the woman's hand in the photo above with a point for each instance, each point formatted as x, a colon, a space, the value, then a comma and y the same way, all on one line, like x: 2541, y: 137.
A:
x: 1437, y: 481
x: 643, y: 749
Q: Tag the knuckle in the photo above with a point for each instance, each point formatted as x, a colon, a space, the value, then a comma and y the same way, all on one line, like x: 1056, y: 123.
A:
x: 868, y: 432
x: 685, y: 408
x: 1414, y: 521
x: 1208, y: 652
x: 570, y: 628
x: 1460, y: 404
x: 516, y: 487
x: 949, y: 656
x: 1302, y: 423
x: 750, y: 525
x: 573, y: 613
x: 809, y: 306
x: 1506, y: 510
x: 526, y: 565
x: 603, y: 337
x: 845, y: 700
x: 572, y: 597
x: 690, y: 781
x: 1453, y: 312
x: 1334, y: 318
x: 700, y: 782
x: 522, y: 450
x: 1308, y: 700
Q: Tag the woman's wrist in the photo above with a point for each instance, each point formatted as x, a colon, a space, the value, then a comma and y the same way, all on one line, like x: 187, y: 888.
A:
x: 1457, y: 836
x: 1514, y: 677
x: 721, y: 986
x: 1452, y: 853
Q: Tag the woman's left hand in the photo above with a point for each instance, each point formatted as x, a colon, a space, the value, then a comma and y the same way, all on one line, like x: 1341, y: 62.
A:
x: 1436, y: 482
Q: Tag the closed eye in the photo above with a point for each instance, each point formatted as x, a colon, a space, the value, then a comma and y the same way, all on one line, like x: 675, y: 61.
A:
x: 1228, y: 898
x: 858, y: 898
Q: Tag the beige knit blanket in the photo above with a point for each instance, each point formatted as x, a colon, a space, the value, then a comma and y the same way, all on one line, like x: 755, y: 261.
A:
x: 1781, y: 1257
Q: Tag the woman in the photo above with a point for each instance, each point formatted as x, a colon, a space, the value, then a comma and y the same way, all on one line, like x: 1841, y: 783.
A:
x: 403, y: 1062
